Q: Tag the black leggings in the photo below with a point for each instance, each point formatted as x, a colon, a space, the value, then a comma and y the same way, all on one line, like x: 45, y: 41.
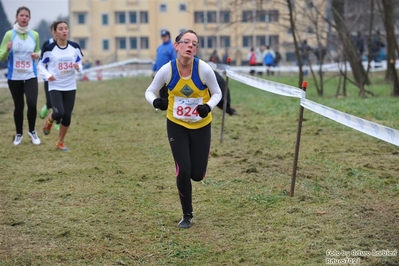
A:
x: 47, y: 93
x: 31, y: 90
x: 190, y: 149
x: 63, y: 103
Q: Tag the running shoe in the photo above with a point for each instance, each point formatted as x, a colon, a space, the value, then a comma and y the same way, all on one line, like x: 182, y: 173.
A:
x: 35, y: 139
x: 61, y: 146
x: 18, y: 139
x: 186, y: 222
x: 43, y: 112
x: 57, y: 126
x: 47, y: 127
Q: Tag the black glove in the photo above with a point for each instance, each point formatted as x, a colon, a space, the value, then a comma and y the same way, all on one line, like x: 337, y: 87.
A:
x: 160, y: 103
x: 203, y: 110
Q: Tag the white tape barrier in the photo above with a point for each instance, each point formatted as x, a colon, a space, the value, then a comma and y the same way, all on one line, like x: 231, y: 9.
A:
x: 270, y: 86
x: 329, y: 67
x: 373, y: 129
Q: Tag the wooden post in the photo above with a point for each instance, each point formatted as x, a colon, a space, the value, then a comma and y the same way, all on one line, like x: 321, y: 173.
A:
x: 298, y: 141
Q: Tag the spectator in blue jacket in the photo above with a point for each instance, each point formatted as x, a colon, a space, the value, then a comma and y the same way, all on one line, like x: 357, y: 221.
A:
x: 165, y: 53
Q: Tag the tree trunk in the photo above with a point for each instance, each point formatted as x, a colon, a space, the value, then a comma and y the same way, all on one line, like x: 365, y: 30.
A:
x: 298, y: 56
x: 389, y: 24
x: 350, y: 52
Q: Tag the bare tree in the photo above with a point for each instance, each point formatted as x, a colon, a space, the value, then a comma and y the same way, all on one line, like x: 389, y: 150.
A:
x: 358, y: 71
x: 389, y: 23
x: 293, y: 30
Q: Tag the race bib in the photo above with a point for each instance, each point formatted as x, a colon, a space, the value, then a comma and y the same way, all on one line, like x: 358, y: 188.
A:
x: 22, y: 65
x: 185, y: 109
x: 65, y: 66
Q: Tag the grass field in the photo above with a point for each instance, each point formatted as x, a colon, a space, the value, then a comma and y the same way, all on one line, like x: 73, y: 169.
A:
x: 112, y: 199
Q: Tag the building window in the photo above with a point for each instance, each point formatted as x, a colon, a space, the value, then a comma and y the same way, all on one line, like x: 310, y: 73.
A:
x: 121, y: 43
x: 81, y: 18
x: 260, y: 40
x: 224, y: 16
x: 211, y: 42
x: 105, y: 45
x: 82, y: 43
x: 183, y: 7
x: 144, y: 43
x: 247, y: 41
x: 272, y: 16
x: 273, y: 41
x: 310, y: 30
x: 261, y: 15
x: 133, y: 42
x: 224, y: 41
x: 247, y: 16
x: 211, y: 17
x: 132, y: 17
x: 199, y: 17
x: 163, y: 8
x: 201, y: 41
x: 120, y: 17
x: 104, y: 19
x: 144, y: 17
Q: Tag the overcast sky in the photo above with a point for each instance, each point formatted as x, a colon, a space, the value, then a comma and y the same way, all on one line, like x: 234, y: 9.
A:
x: 48, y: 10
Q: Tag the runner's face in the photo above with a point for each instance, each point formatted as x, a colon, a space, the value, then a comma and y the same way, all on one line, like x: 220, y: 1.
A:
x: 23, y: 18
x: 62, y: 31
x: 188, y: 45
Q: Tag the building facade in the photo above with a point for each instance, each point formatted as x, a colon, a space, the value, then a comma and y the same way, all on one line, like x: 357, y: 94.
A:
x: 116, y: 30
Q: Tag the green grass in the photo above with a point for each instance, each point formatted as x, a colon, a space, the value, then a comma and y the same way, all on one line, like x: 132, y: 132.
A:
x: 112, y: 199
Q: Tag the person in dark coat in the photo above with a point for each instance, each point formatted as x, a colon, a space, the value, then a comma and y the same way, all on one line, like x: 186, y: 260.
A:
x: 222, y: 85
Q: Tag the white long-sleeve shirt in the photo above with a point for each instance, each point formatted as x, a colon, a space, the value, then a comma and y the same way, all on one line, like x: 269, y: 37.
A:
x: 60, y: 64
x: 207, y: 76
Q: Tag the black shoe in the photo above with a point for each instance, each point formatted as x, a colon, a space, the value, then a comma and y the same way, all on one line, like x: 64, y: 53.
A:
x: 232, y: 111
x: 186, y: 222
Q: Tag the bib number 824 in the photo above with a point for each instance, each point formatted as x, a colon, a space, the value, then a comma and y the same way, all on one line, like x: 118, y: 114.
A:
x: 186, y: 111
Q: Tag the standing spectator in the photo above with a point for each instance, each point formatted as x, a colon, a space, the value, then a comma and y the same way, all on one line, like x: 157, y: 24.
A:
x: 21, y: 46
x: 277, y: 60
x: 268, y: 58
x: 251, y: 57
x: 193, y: 93
x: 214, y: 57
x: 99, y: 71
x: 47, y: 106
x: 62, y: 59
x: 165, y: 53
x: 359, y: 43
x: 259, y: 59
x: 225, y: 56
x: 320, y: 54
x: 222, y: 85
x: 304, y: 50
x: 376, y: 45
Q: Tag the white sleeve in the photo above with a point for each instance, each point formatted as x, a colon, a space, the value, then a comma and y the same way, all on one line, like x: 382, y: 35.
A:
x: 209, y: 78
x: 41, y: 67
x: 162, y: 77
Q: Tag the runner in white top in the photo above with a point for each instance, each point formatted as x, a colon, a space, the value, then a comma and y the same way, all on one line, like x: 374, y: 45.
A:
x: 20, y: 46
x: 60, y: 61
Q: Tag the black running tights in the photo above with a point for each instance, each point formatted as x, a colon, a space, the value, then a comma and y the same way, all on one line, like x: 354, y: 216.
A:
x: 31, y: 90
x: 63, y: 103
x: 190, y: 149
